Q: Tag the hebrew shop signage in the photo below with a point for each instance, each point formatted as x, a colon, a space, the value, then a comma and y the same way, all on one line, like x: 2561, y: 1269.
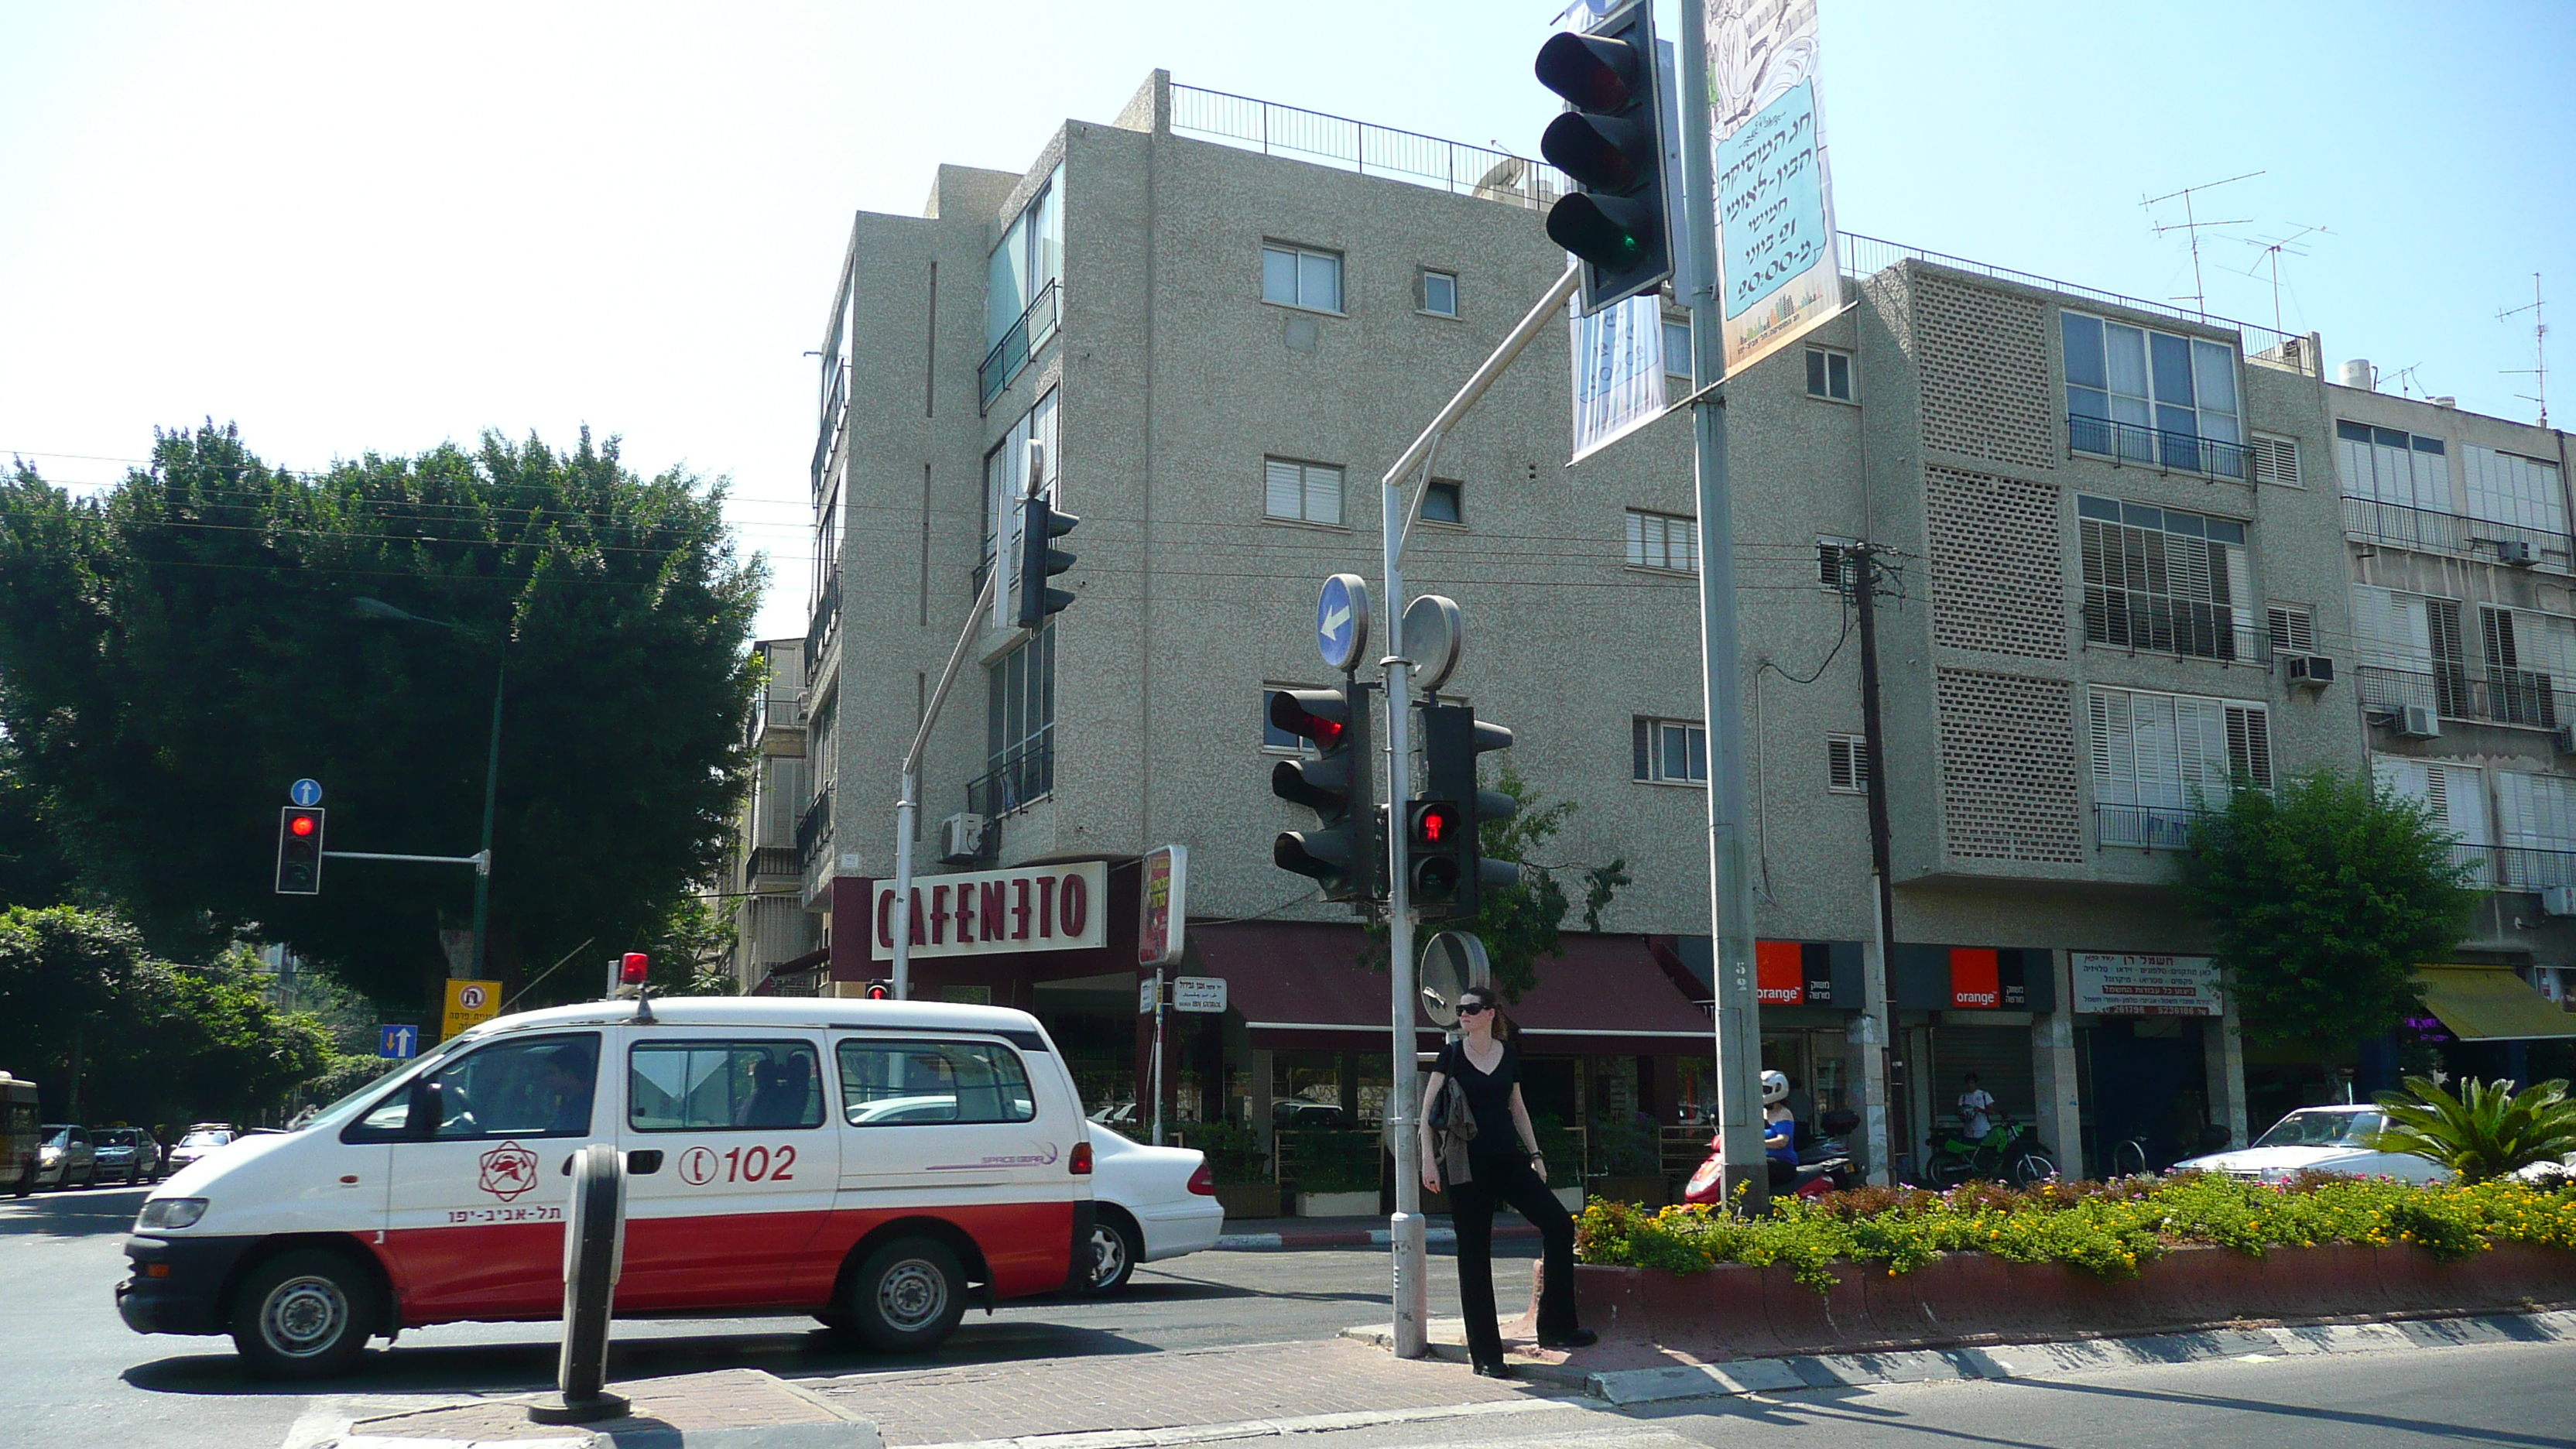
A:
x: 996, y: 912
x: 2146, y: 985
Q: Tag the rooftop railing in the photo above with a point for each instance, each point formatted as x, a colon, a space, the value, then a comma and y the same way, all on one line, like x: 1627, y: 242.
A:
x: 2399, y: 526
x: 1452, y: 166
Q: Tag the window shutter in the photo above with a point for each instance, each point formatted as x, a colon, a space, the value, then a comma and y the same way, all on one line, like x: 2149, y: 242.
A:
x: 1838, y: 763
x: 1636, y: 537
x: 2276, y: 460
x: 2249, y: 744
x: 1323, y: 495
x: 2293, y: 631
x: 1287, y: 490
x: 1641, y: 745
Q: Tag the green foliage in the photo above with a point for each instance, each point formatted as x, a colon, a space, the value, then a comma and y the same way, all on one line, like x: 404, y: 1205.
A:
x: 2322, y: 897
x: 2487, y: 1131
x: 1522, y: 922
x: 1334, y: 1161
x: 35, y: 867
x: 2105, y: 1229
x: 175, y: 652
x: 690, y: 949
x: 1233, y: 1150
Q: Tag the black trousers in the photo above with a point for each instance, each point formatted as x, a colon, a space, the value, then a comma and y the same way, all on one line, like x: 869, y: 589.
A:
x: 1471, y: 1206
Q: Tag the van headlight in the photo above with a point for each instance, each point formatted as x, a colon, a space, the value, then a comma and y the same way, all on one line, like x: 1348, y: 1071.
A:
x: 171, y: 1212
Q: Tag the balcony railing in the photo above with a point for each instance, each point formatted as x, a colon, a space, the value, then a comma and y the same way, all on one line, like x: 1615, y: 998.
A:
x: 2482, y: 867
x: 2499, y: 696
x: 1010, y: 356
x: 1452, y: 166
x: 2530, y: 868
x: 2144, y: 827
x: 770, y: 860
x: 1022, y: 778
x: 825, y: 621
x: 814, y: 828
x: 2156, y: 447
x: 827, y: 436
x: 2399, y: 526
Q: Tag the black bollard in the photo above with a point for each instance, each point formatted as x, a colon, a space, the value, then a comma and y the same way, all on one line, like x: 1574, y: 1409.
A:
x: 594, y: 1252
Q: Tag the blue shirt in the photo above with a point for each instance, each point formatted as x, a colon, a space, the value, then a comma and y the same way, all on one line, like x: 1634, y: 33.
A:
x: 1780, y: 1140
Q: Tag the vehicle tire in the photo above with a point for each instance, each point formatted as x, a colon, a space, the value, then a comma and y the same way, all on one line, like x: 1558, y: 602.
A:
x: 134, y: 1176
x: 907, y: 1295
x: 1116, y: 1249
x: 1947, y: 1169
x: 2032, y: 1168
x: 304, y: 1315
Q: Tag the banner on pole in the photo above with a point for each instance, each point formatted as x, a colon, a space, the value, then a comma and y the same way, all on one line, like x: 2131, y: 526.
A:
x: 1775, y: 211
x: 1619, y: 353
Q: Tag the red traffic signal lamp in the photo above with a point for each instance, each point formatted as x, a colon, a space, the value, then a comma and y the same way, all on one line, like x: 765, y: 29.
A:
x: 1435, y: 835
x: 1338, y: 785
x: 299, y: 851
x: 880, y: 990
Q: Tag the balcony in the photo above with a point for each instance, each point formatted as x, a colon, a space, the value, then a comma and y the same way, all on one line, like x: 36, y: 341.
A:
x: 827, y: 435
x: 2481, y: 867
x: 2396, y: 525
x: 774, y: 860
x: 2144, y: 827
x: 1022, y: 779
x: 2126, y: 443
x: 826, y: 620
x: 814, y: 829
x: 2519, y: 697
x: 1010, y: 356
x: 2528, y: 868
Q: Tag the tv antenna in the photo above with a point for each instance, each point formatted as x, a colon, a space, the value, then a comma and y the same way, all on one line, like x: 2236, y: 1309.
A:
x: 2272, y: 257
x: 2192, y: 226
x: 2539, y: 369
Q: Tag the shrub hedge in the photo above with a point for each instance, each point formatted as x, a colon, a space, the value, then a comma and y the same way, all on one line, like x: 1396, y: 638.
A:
x: 2105, y: 1228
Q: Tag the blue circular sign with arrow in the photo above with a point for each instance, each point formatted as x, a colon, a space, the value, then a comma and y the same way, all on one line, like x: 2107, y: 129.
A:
x: 305, y: 793
x: 1342, y: 621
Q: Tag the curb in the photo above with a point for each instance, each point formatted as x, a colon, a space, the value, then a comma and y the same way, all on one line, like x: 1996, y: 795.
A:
x: 1352, y: 1238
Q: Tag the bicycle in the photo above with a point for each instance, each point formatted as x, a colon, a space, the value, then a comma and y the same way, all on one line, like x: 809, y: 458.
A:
x: 2129, y: 1159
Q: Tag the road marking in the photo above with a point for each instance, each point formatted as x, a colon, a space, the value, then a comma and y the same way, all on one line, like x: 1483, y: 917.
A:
x: 1267, y: 1428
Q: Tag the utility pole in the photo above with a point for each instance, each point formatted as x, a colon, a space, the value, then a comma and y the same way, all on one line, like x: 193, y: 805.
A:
x: 1887, y: 1118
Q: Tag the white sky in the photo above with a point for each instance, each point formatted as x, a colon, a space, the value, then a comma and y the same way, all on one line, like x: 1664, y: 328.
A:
x: 353, y: 228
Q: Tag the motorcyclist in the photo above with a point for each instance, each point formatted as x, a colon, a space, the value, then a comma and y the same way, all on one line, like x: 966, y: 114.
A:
x: 1779, y: 1129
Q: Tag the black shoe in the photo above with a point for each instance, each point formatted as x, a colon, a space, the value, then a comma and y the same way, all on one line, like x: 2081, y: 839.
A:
x: 1493, y: 1370
x: 1579, y: 1338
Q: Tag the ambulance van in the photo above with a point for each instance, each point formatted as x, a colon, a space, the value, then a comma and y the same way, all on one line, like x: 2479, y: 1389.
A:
x: 764, y: 1175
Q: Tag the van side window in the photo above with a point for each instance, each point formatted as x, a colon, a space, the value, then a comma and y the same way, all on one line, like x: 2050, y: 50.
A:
x: 700, y: 1086
x: 902, y: 1083
x: 530, y: 1087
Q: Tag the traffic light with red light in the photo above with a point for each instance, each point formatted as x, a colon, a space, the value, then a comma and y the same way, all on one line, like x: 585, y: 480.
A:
x: 1452, y: 738
x: 1434, y: 833
x: 299, y: 851
x: 1610, y: 143
x: 1339, y: 785
x: 880, y: 990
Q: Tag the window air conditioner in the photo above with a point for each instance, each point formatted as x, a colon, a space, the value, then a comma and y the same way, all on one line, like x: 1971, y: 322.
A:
x: 961, y: 838
x: 2513, y: 551
x: 2558, y: 900
x: 2565, y: 738
x: 2417, y: 722
x: 2315, y: 671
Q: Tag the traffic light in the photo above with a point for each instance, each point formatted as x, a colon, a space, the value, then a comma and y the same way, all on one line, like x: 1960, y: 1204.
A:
x: 299, y: 851
x: 1342, y: 852
x: 1042, y: 525
x: 880, y: 989
x: 1434, y: 831
x: 1610, y: 143
x: 1452, y: 738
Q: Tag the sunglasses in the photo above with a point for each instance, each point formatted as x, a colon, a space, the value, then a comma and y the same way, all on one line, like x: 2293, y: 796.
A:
x: 1474, y: 1008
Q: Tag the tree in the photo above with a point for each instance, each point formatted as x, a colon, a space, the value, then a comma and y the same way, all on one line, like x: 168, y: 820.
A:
x: 2487, y: 1131
x: 2322, y: 897
x: 175, y: 652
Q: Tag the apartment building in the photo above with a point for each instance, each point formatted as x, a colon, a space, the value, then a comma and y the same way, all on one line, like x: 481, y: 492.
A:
x: 775, y: 937
x: 2107, y: 539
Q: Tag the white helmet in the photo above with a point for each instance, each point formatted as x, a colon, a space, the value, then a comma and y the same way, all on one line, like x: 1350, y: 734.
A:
x: 1775, y: 1087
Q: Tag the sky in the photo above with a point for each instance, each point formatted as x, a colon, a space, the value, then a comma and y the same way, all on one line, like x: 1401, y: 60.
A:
x: 377, y: 228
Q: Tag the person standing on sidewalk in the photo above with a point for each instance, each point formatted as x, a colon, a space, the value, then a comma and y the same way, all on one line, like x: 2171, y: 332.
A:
x: 1503, y: 1165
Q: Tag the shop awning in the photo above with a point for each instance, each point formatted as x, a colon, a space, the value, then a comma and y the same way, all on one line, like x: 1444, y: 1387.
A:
x: 2490, y: 1003
x: 1301, y: 985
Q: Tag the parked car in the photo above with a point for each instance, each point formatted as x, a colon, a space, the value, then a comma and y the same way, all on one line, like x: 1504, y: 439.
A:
x: 1148, y: 1204
x: 199, y: 1140
x: 2322, y: 1139
x: 1297, y: 1112
x: 1116, y: 1114
x: 126, y: 1152
x: 66, y: 1159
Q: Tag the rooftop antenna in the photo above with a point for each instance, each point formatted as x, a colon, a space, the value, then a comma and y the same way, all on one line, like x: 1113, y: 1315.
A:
x: 2272, y: 256
x: 2539, y: 369
x: 2191, y: 226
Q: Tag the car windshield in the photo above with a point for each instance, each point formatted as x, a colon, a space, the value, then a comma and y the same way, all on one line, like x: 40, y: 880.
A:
x: 58, y: 1136
x: 205, y: 1139
x: 114, y: 1139
x: 2322, y: 1129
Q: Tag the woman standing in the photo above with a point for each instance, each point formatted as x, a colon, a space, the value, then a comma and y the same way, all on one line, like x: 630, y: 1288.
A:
x: 1503, y: 1166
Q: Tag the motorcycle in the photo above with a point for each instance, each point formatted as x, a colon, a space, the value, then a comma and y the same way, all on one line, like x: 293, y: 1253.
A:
x: 2009, y: 1152
x: 1824, y: 1165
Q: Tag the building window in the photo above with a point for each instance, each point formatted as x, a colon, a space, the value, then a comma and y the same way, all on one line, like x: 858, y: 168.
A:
x: 1443, y: 502
x: 2164, y: 580
x: 1272, y: 736
x: 2160, y: 758
x: 1662, y: 541
x: 1030, y: 257
x: 1440, y: 293
x: 1303, y: 492
x: 1299, y: 277
x: 2151, y: 397
x: 2511, y: 489
x: 2293, y: 630
x: 1847, y: 764
x: 1677, y: 349
x: 1829, y: 374
x: 2276, y: 460
x: 1670, y: 751
x: 2391, y: 465
x: 1006, y: 482
x: 1019, y: 731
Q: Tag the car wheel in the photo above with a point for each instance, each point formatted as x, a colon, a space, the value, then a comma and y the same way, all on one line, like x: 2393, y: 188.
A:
x: 1115, y: 1252
x: 304, y: 1315
x: 908, y: 1295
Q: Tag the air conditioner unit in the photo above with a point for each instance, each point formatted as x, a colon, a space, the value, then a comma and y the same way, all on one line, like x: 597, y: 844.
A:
x: 2513, y: 551
x: 2558, y: 900
x: 2315, y: 671
x: 961, y: 838
x: 2417, y: 722
x: 2565, y: 738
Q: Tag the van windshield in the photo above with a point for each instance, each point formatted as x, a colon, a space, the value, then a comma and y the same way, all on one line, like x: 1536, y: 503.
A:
x: 2322, y: 1129
x: 348, y: 1100
x: 205, y: 1139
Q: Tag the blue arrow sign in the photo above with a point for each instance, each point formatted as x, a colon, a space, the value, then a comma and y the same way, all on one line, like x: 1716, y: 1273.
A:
x: 305, y: 793
x: 1342, y: 620
x: 401, y: 1043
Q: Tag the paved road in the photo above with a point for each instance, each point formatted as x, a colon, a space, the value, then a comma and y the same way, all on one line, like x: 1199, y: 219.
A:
x: 76, y: 1375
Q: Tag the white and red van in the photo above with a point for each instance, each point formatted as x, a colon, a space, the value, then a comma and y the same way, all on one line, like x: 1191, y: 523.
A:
x: 873, y: 1163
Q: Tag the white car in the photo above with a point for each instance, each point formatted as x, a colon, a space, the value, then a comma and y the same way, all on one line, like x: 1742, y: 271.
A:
x: 1148, y: 1204
x: 2326, y: 1139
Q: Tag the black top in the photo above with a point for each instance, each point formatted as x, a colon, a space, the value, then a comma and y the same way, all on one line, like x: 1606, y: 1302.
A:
x: 1489, y: 1097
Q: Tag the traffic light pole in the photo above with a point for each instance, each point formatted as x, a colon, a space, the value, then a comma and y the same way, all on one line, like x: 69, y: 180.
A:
x: 1406, y: 1243
x: 1736, y: 1026
x: 907, y: 809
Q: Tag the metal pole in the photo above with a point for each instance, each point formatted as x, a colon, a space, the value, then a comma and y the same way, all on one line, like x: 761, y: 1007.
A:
x: 907, y: 809
x: 491, y: 794
x: 1407, y: 1243
x: 1863, y: 560
x: 1158, y: 1056
x: 1737, y: 1028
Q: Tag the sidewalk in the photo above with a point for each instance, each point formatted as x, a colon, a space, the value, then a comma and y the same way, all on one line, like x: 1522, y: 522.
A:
x: 1264, y: 1234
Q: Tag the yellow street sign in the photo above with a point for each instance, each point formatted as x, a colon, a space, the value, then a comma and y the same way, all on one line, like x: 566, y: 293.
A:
x: 469, y: 1003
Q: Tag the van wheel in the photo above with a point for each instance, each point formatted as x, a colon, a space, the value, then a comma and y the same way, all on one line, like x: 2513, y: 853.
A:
x: 303, y: 1315
x: 1114, y: 1254
x: 908, y: 1295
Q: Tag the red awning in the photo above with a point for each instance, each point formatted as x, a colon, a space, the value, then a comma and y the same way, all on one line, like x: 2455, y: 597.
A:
x: 1301, y: 985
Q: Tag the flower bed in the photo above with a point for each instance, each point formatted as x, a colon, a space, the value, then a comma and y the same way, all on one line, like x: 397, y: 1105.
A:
x: 2106, y: 1230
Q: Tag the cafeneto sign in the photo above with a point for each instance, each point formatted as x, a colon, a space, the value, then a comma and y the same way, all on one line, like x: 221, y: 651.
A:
x: 996, y: 912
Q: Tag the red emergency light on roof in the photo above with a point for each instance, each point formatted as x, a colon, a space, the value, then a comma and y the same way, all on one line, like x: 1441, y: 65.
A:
x: 631, y: 968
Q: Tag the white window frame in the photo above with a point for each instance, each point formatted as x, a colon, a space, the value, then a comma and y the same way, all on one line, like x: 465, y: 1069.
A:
x: 1422, y: 293
x: 1654, y: 539
x: 1307, y: 476
x: 1677, y: 364
x: 2167, y: 756
x: 2392, y: 465
x: 1847, y: 764
x: 1299, y: 256
x: 2152, y: 551
x: 1651, y: 742
x: 1820, y: 375
x: 2210, y: 367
